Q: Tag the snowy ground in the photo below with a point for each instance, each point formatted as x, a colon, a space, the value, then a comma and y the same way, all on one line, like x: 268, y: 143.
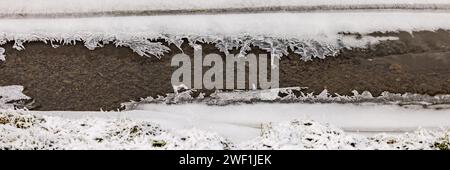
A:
x: 259, y: 126
x: 243, y: 122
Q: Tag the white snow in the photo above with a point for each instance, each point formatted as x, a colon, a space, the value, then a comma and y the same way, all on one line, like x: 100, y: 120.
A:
x: 9, y: 94
x: 309, y: 34
x: 307, y: 134
x: 70, y: 6
x: 282, y: 25
x: 27, y: 131
x: 32, y: 130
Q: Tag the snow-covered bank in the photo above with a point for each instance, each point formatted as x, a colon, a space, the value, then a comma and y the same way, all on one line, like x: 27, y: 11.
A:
x: 22, y: 130
x: 312, y: 35
x: 10, y: 94
x: 288, y: 95
x: 243, y: 122
x: 70, y: 6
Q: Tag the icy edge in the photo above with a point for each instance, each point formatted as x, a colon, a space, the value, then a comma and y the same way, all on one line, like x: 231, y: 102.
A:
x: 2, y: 54
x: 146, y: 45
x: 294, y: 95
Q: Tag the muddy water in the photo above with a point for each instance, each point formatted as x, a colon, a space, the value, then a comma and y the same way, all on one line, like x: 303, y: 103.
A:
x: 75, y: 78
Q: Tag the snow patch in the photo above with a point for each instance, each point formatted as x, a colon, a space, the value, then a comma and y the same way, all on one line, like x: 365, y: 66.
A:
x: 10, y: 94
x: 2, y: 55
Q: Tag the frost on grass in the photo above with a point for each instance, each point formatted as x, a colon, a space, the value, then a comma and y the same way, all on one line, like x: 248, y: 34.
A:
x: 25, y: 130
x: 18, y: 120
x: 21, y: 130
x: 308, y: 134
x: 16, y: 7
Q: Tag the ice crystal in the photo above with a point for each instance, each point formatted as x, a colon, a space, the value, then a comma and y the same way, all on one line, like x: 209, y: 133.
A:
x: 144, y: 45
